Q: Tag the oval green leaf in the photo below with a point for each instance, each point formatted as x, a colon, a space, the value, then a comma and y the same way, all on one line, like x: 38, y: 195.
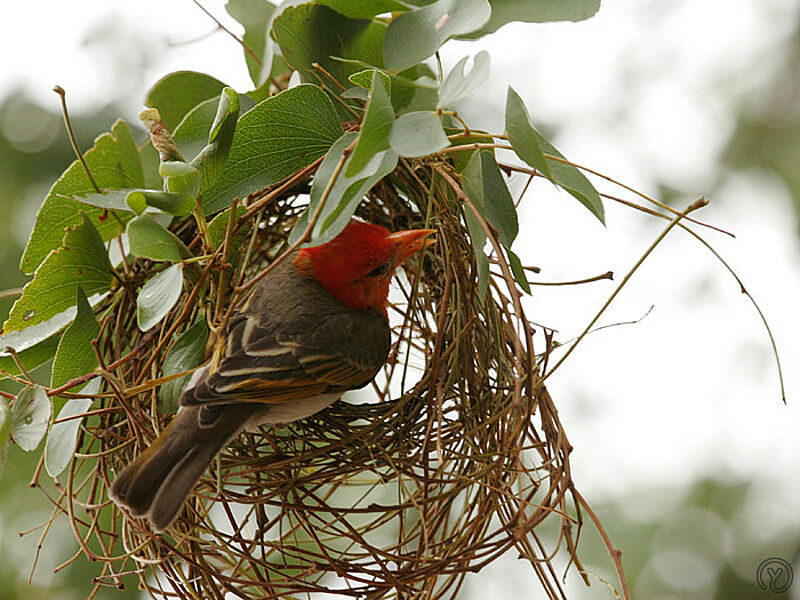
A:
x: 174, y: 95
x: 60, y: 445
x: 30, y: 417
x: 375, y: 127
x: 148, y: 239
x: 186, y: 353
x: 416, y: 35
x: 157, y: 297
x: 418, y: 133
x: 278, y: 137
x: 458, y: 84
x: 75, y: 355
x: 81, y: 261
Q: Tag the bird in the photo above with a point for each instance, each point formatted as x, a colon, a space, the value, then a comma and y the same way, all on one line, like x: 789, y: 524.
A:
x: 312, y: 328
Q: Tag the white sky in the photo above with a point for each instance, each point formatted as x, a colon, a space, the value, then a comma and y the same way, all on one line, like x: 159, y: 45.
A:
x: 644, y: 91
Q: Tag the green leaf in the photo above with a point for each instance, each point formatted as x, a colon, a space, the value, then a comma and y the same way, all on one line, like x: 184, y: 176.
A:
x: 496, y: 199
x: 461, y: 158
x: 278, y: 137
x: 414, y: 89
x: 531, y: 146
x: 459, y: 84
x: 180, y: 178
x: 31, y: 357
x: 573, y: 181
x: 60, y: 445
x: 345, y: 194
x: 364, y: 79
x: 114, y: 163
x: 30, y: 417
x: 150, y: 240
x: 212, y: 158
x: 254, y: 16
x: 191, y: 134
x: 186, y: 353
x: 363, y: 9
x: 478, y: 238
x: 375, y: 128
x: 518, y: 271
x: 310, y: 33
x: 356, y: 92
x: 523, y: 136
x: 149, y: 159
x: 218, y: 228
x: 174, y: 203
x: 176, y: 94
x: 535, y: 11
x: 137, y: 200
x: 81, y: 261
x: 75, y: 355
x: 157, y: 296
x: 416, y: 35
x: 418, y: 134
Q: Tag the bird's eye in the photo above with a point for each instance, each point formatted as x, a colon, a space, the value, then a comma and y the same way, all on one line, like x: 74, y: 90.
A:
x: 379, y: 270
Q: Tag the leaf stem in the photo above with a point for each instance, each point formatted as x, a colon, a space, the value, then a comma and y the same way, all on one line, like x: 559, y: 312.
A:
x: 63, y: 95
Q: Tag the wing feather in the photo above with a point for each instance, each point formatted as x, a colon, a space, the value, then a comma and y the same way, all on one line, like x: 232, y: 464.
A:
x: 262, y: 362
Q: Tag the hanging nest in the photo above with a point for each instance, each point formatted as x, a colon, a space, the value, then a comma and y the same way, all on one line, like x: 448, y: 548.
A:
x: 453, y: 457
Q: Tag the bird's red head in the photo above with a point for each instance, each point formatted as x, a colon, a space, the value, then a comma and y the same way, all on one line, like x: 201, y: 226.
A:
x: 357, y: 265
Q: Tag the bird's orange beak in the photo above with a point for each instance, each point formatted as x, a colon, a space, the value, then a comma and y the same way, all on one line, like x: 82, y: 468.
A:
x: 408, y: 242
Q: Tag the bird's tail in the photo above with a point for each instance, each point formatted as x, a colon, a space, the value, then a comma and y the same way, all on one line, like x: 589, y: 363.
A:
x: 158, y: 481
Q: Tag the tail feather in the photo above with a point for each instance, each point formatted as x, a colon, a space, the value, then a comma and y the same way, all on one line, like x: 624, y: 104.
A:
x: 158, y: 481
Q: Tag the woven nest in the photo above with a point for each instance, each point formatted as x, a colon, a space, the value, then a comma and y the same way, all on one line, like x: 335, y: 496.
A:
x: 452, y: 458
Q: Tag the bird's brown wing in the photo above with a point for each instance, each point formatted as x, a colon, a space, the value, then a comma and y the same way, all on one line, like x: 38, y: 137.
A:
x: 273, y: 363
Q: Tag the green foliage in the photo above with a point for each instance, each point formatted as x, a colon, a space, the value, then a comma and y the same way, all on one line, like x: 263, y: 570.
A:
x: 211, y: 159
x: 186, y: 353
x: 180, y: 178
x: 485, y: 186
x: 375, y: 127
x: 30, y: 417
x: 343, y: 193
x: 364, y: 79
x: 416, y: 35
x: 81, y: 261
x: 254, y: 16
x: 75, y: 355
x: 531, y: 146
x: 157, y: 296
x: 458, y: 84
x: 150, y: 240
x: 218, y: 227
x: 363, y: 9
x: 277, y: 137
x: 114, y: 163
x: 60, y: 444
x: 418, y: 133
x: 62, y: 437
x: 137, y: 201
x: 31, y: 357
x: 174, y: 95
x: 518, y: 271
x: 535, y: 11
x: 310, y: 33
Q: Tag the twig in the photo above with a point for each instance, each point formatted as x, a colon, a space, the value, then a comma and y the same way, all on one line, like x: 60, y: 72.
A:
x: 230, y: 33
x: 63, y: 95
x: 700, y: 203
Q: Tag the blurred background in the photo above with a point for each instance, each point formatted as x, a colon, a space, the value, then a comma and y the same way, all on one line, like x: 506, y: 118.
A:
x: 682, y: 443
